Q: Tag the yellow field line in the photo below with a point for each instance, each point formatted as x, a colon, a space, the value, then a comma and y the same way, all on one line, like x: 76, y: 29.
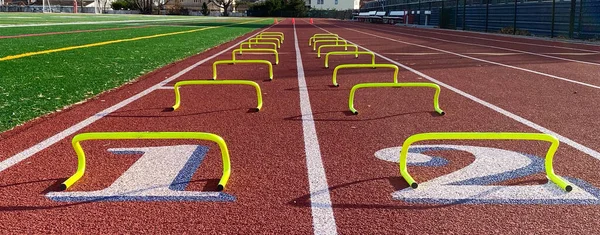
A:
x: 12, y: 57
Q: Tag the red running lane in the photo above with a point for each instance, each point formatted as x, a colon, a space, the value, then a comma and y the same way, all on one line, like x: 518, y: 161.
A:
x: 71, y: 32
x: 577, y: 71
x: 554, y: 104
x: 505, y: 40
x: 361, y: 184
x: 267, y: 155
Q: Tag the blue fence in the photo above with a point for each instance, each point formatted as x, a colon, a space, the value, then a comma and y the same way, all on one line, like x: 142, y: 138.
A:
x: 578, y: 19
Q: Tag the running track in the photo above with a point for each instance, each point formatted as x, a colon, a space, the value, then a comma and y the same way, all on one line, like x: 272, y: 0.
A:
x: 303, y: 164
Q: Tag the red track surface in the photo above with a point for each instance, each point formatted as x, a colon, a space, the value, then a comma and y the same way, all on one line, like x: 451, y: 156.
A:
x: 270, y: 179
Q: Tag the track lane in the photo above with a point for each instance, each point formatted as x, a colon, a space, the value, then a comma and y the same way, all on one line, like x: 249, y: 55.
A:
x: 267, y: 154
x: 585, y: 73
x: 505, y: 40
x: 565, y: 107
x: 361, y: 184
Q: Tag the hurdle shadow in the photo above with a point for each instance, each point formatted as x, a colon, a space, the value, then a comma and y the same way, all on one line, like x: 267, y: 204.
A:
x: 211, y: 185
x: 397, y: 182
x: 169, y: 110
x: 348, y: 113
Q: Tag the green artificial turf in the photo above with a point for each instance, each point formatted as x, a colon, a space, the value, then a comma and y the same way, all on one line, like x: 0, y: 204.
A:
x: 38, y: 85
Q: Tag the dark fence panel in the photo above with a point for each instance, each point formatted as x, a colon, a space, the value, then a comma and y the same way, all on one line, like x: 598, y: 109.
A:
x: 542, y: 18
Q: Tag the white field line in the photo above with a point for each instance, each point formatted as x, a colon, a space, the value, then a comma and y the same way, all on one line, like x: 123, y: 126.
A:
x: 488, y: 46
x: 96, y: 22
x: 77, y: 127
x: 578, y: 146
x: 481, y: 60
x: 320, y: 201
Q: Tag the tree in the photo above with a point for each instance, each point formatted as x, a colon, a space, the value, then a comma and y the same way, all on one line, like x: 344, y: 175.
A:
x: 145, y: 6
x: 295, y: 8
x: 205, y: 10
x: 225, y: 4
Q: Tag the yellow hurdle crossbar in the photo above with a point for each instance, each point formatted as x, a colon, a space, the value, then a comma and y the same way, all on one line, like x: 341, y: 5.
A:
x: 218, y: 82
x: 436, y: 104
x: 321, y: 35
x: 256, y: 50
x: 356, y: 53
x: 313, y: 38
x: 357, y: 66
x: 271, y: 36
x: 485, y: 136
x: 146, y: 135
x: 258, y: 43
x: 242, y: 62
x: 271, y: 33
x: 257, y: 39
x: 336, y: 46
x: 337, y: 42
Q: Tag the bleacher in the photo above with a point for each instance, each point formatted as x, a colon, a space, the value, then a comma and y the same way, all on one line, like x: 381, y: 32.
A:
x: 395, y: 17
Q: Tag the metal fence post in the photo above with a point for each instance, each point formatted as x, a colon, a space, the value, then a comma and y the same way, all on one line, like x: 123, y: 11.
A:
x: 456, y: 16
x: 553, y: 14
x: 464, y: 14
x: 572, y: 18
x: 515, y: 22
x: 487, y: 14
x: 580, y: 16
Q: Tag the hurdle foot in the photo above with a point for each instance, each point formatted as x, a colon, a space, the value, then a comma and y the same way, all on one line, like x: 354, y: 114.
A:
x: 355, y: 112
x: 569, y: 188
x: 442, y: 113
x: 220, y: 188
x: 414, y: 185
x: 63, y: 187
x: 169, y: 109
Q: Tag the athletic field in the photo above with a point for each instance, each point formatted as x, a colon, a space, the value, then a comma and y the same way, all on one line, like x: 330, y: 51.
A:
x: 175, y: 125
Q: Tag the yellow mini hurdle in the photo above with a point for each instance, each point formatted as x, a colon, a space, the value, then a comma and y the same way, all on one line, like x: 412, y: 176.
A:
x: 263, y: 35
x: 335, y: 46
x: 337, y: 42
x: 273, y: 33
x: 146, y: 135
x: 485, y: 136
x: 318, y: 35
x: 436, y: 96
x: 256, y: 50
x: 242, y: 62
x: 313, y: 39
x: 256, y: 39
x: 258, y: 43
x: 218, y: 82
x: 356, y: 53
x: 358, y: 66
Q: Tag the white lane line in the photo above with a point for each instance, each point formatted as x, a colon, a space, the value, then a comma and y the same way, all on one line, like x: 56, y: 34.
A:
x: 504, y: 112
x: 320, y: 201
x: 572, y: 53
x: 71, y: 130
x: 481, y: 60
x: 513, y: 42
x: 494, y: 47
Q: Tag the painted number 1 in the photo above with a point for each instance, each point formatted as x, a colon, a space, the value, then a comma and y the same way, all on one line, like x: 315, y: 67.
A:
x: 161, y: 174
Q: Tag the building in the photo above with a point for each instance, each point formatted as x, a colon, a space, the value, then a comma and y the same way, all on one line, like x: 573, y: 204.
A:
x: 333, y: 4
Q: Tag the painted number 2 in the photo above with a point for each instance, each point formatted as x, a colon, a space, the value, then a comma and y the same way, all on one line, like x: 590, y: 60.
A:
x: 161, y: 174
x: 472, y: 184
